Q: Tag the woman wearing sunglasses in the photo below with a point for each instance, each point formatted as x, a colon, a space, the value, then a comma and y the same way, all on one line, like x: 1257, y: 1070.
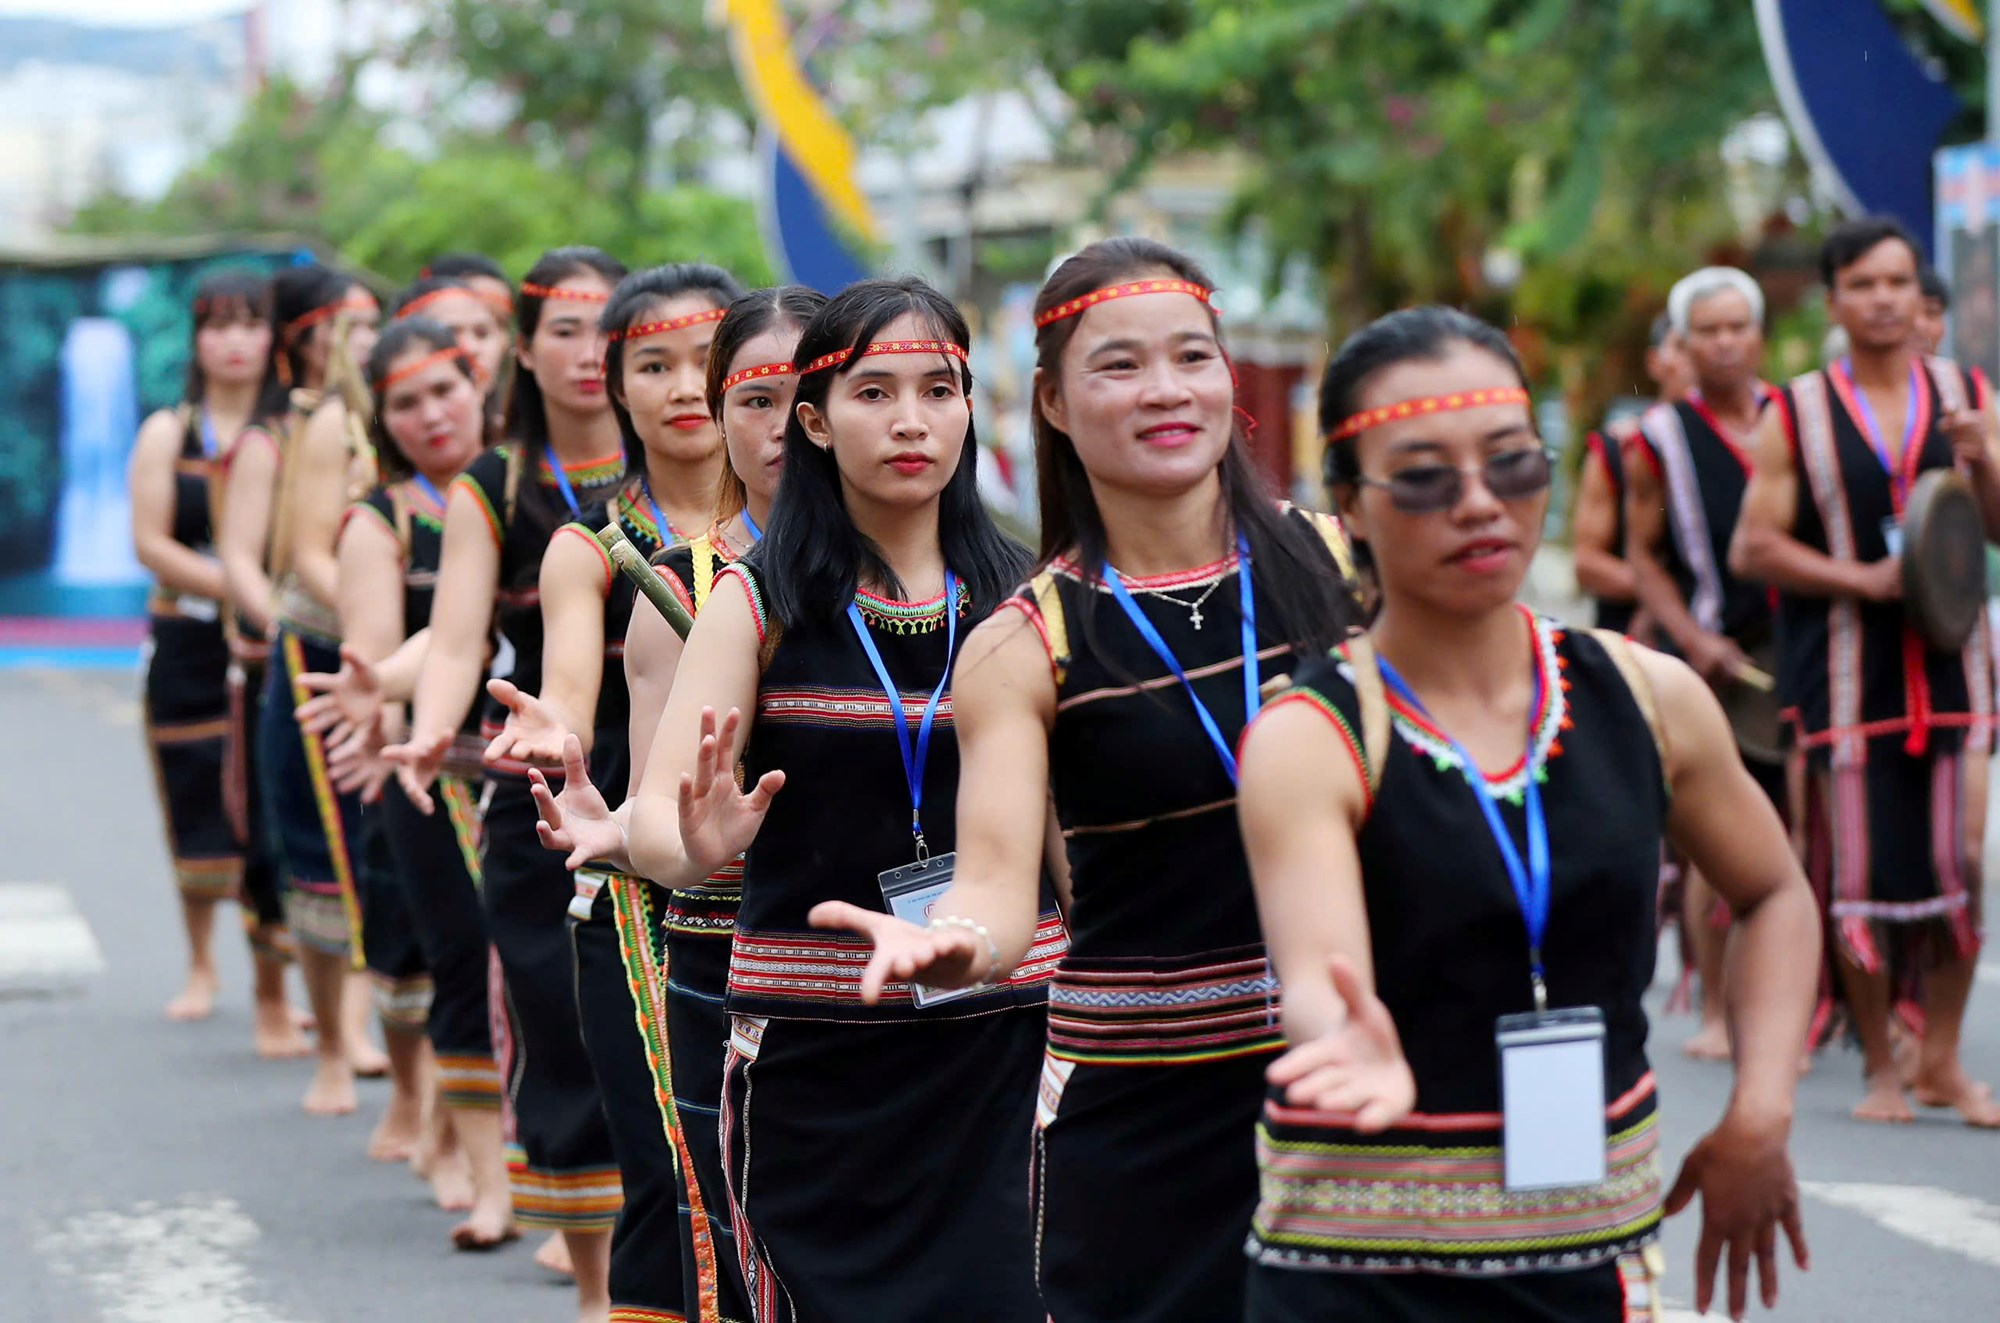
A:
x: 1423, y: 878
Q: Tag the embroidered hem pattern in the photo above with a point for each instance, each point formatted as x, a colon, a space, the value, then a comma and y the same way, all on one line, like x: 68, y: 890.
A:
x: 1401, y: 1201
x: 586, y: 1200
x: 1104, y: 1014
x: 795, y: 970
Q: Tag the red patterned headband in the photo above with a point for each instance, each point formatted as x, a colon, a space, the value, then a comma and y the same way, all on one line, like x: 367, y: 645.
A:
x: 358, y: 300
x: 839, y: 356
x: 1085, y: 302
x: 1433, y: 404
x: 422, y: 301
x: 735, y: 379
x: 570, y: 292
x: 645, y: 329
x: 431, y: 360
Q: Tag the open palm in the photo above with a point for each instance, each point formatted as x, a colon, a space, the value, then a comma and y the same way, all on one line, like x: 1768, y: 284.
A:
x: 533, y: 732
x: 343, y: 700
x: 577, y: 821
x: 1358, y: 1067
x: 719, y: 820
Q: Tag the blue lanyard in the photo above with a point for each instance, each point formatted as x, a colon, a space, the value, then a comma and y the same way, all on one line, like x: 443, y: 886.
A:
x: 914, y: 757
x: 1251, y: 671
x: 1531, y: 881
x: 1873, y: 429
x: 562, y: 481
x: 210, y: 442
x: 429, y: 488
x: 750, y: 526
x: 660, y: 528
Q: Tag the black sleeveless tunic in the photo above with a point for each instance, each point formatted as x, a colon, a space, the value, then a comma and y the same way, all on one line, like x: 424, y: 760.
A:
x: 524, y: 510
x: 1704, y: 472
x: 844, y: 816
x: 1406, y: 1216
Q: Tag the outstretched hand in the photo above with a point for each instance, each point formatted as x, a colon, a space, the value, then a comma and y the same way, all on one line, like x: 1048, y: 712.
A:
x: 533, y: 732
x: 418, y: 761
x: 1748, y: 1192
x: 1357, y: 1067
x: 935, y: 957
x: 343, y: 701
x: 577, y: 822
x: 719, y: 821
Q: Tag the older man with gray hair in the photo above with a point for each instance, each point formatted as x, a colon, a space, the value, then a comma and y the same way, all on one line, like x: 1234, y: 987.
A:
x: 1684, y: 490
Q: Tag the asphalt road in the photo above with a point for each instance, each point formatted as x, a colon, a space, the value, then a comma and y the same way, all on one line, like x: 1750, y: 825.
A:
x: 156, y: 1173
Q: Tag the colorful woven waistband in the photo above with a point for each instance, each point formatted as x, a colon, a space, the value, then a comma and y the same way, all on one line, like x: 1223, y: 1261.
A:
x: 1428, y: 1195
x: 824, y: 969
x: 1128, y: 1014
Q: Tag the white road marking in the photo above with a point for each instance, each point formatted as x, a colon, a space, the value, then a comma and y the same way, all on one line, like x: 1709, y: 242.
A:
x: 1942, y: 1219
x: 179, y: 1263
x: 45, y: 945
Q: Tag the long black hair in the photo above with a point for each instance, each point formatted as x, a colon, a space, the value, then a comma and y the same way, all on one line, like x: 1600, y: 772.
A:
x: 296, y: 292
x: 1311, y: 605
x: 398, y: 338
x: 813, y: 557
x: 527, y: 417
x: 461, y: 264
x: 1413, y: 335
x: 749, y: 317
x: 636, y: 296
x: 235, y: 294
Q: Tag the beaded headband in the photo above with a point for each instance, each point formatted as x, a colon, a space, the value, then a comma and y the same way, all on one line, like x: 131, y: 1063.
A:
x: 1083, y: 303
x: 1432, y: 404
x: 839, y: 356
x: 735, y: 379
x: 570, y: 292
x: 422, y: 301
x: 356, y: 299
x: 430, y: 360
x: 645, y: 329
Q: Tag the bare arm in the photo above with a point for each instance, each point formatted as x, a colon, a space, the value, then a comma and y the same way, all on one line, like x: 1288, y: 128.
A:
x: 399, y: 671
x: 461, y: 617
x: 574, y: 587
x: 652, y: 656
x: 1975, y: 443
x: 243, y: 542
x: 1764, y: 549
x: 370, y: 567
x: 1601, y: 569
x: 1646, y: 533
x: 173, y: 565
x: 318, y: 498
x: 718, y: 676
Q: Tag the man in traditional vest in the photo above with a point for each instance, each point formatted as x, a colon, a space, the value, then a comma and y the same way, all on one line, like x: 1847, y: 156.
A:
x: 1690, y: 465
x: 1895, y: 731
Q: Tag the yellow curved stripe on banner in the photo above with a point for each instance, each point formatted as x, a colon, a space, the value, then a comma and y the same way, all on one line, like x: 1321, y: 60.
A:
x: 1962, y: 17
x: 787, y: 102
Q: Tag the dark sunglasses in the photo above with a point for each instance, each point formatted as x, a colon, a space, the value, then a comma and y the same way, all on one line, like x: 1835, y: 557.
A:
x: 1511, y: 475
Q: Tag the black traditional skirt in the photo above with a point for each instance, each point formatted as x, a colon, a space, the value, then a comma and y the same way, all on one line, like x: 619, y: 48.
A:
x: 315, y: 831
x: 396, y: 964
x: 1620, y: 1291
x: 879, y: 1171
x: 187, y: 728
x: 645, y: 1262
x: 564, y: 1172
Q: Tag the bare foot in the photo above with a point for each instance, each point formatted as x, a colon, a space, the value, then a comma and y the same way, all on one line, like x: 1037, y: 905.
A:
x: 1884, y: 1101
x: 396, y: 1134
x: 332, y: 1090
x: 197, y: 1000
x: 367, y: 1061
x: 303, y: 1020
x: 277, y: 1035
x: 1951, y: 1087
x: 1710, y: 1042
x: 554, y: 1255
x: 451, y: 1182
x: 487, y: 1228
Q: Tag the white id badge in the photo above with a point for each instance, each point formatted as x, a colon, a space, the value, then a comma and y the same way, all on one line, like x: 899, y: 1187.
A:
x: 1892, y: 535
x: 912, y: 892
x: 204, y: 609
x: 1552, y: 1098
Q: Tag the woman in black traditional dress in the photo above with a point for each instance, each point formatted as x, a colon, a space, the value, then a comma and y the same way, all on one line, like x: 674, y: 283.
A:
x: 658, y: 327
x: 187, y: 659
x: 1407, y: 890
x: 562, y: 455
x: 877, y: 1155
x: 1120, y: 692
x: 675, y: 941
x: 429, y: 424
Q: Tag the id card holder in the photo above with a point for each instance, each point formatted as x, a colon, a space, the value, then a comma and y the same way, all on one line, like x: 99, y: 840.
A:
x: 1552, y: 1098
x: 1892, y: 535
x: 912, y: 893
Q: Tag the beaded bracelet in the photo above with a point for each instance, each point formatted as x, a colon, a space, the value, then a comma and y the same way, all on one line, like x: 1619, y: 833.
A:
x: 977, y: 929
